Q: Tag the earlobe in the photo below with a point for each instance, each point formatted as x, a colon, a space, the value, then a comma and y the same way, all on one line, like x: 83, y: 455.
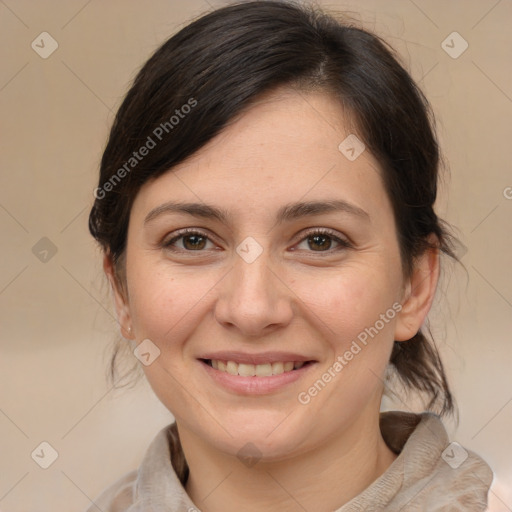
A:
x: 120, y: 300
x: 419, y: 294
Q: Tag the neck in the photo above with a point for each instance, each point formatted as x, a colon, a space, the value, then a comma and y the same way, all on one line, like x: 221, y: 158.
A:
x: 322, y: 479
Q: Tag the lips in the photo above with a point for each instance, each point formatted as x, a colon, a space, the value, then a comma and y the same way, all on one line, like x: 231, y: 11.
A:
x: 255, y: 373
x: 254, y: 370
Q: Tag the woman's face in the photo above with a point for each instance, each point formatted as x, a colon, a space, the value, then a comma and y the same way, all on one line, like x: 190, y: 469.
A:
x: 256, y: 286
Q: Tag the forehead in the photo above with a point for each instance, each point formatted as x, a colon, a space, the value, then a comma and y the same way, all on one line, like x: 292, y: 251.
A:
x: 285, y: 147
x: 284, y: 122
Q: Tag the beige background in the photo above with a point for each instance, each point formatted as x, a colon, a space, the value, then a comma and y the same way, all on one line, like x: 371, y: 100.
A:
x: 55, y: 317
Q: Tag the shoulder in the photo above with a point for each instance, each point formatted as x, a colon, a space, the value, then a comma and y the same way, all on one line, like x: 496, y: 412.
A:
x: 442, y: 475
x: 118, y: 497
x: 127, y: 494
x: 430, y: 474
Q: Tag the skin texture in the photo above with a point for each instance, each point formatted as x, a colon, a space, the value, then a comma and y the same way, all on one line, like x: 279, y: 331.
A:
x: 308, y: 298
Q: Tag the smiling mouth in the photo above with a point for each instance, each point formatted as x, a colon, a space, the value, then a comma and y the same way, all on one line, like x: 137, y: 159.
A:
x: 255, y: 370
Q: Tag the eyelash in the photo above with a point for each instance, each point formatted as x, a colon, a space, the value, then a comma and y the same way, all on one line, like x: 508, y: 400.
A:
x: 344, y: 244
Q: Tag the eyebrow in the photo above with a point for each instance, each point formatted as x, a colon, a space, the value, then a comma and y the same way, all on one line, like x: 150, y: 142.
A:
x: 287, y: 212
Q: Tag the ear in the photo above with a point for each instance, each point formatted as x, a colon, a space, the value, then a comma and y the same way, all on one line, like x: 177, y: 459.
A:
x: 419, y: 293
x: 120, y: 299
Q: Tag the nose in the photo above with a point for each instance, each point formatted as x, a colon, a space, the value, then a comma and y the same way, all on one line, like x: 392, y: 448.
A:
x: 253, y: 298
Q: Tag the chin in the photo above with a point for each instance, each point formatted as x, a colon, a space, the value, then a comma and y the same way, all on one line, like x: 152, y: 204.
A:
x: 266, y: 435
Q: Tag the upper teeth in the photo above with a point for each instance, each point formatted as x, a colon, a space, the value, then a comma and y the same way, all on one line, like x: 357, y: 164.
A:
x: 252, y: 370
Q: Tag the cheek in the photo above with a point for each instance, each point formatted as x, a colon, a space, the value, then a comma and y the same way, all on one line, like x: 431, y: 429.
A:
x: 348, y: 300
x: 166, y: 308
x: 355, y: 314
x: 164, y: 303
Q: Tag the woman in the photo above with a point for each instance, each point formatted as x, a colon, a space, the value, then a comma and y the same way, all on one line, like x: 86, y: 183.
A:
x: 265, y: 207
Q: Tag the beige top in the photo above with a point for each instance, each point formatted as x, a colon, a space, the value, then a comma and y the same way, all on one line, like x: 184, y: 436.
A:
x: 430, y: 474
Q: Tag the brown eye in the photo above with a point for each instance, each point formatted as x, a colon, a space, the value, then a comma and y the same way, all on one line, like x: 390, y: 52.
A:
x: 191, y: 241
x: 321, y: 240
x: 194, y: 242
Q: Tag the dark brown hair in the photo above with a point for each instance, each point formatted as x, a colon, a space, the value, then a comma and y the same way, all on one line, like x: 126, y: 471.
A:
x: 217, y: 66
